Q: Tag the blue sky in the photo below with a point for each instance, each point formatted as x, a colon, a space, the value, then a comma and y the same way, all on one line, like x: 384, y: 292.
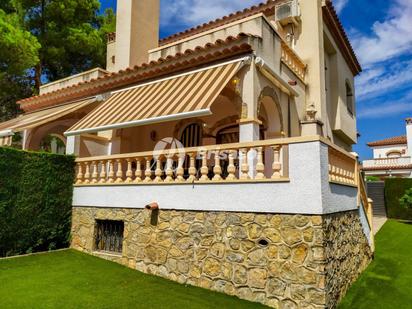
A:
x: 381, y: 34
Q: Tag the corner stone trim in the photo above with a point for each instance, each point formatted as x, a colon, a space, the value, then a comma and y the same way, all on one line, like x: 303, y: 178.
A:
x: 303, y: 262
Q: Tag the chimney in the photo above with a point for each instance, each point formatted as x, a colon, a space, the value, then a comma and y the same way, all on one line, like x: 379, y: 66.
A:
x: 409, y: 135
x: 111, y: 52
x: 137, y: 31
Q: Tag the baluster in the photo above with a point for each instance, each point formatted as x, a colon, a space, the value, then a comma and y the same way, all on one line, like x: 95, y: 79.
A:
x: 129, y: 172
x: 111, y: 172
x: 148, y: 171
x: 169, y: 167
x: 103, y: 173
x: 276, y: 166
x: 217, y: 170
x: 330, y: 172
x: 180, y: 171
x: 204, y: 170
x: 245, y: 165
x: 87, y: 173
x: 79, y: 174
x: 192, y: 168
x: 260, y: 167
x: 231, y: 169
x: 158, y: 171
x: 138, y: 172
x: 119, y: 172
x: 95, y: 174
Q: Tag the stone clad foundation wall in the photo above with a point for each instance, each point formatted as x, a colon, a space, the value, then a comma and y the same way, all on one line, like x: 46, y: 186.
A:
x: 284, y: 261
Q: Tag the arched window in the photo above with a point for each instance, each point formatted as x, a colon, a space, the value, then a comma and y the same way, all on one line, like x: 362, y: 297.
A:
x: 394, y: 154
x: 192, y: 135
x: 53, y: 143
x: 349, y: 98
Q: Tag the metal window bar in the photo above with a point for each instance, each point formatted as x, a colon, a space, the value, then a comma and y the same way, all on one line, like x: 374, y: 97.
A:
x: 109, y: 236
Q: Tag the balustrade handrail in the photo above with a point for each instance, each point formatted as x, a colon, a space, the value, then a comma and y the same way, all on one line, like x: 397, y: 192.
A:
x: 395, y: 158
x: 223, y: 147
x: 387, y: 161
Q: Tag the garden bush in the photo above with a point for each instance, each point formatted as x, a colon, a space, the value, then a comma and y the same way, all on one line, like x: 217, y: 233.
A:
x: 35, y: 201
x: 395, y: 189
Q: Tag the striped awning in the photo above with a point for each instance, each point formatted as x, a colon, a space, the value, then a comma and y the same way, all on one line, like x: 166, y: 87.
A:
x: 38, y: 118
x: 184, y: 96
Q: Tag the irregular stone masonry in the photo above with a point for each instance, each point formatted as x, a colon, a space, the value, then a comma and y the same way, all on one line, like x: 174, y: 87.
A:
x: 283, y: 261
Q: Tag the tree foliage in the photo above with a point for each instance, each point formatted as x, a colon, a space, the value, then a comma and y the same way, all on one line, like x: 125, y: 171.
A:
x: 46, y: 40
x: 406, y: 200
x: 19, y: 49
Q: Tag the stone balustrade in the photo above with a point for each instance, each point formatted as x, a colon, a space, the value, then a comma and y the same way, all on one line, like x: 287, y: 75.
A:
x: 387, y: 162
x: 342, y: 167
x: 292, y: 61
x: 242, y: 162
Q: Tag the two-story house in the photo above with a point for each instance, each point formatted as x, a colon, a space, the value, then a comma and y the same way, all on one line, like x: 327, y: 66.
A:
x: 391, y: 156
x: 220, y: 156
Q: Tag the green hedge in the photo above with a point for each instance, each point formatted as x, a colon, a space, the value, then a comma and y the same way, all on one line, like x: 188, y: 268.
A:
x: 394, y: 189
x: 35, y: 201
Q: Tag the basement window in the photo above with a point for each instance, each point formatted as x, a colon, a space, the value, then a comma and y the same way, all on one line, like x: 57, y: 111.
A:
x: 109, y: 236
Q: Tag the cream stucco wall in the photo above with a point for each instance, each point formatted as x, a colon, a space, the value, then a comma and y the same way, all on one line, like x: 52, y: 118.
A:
x: 382, y: 151
x: 137, y: 31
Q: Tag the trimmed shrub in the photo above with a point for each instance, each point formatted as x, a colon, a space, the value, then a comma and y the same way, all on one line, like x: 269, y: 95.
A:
x: 395, y: 189
x: 406, y: 200
x: 36, y: 192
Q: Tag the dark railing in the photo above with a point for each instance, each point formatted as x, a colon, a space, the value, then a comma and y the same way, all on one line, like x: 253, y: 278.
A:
x: 109, y: 236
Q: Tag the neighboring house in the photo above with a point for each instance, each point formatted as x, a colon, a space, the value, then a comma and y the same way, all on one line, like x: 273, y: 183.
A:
x: 262, y: 197
x: 391, y: 156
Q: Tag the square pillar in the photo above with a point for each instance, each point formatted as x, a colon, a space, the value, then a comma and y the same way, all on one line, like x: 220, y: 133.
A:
x: 26, y: 134
x: 249, y: 131
x: 73, y: 145
x: 409, y: 135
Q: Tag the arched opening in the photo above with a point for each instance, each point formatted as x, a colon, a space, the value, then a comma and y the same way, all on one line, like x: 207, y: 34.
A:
x: 349, y: 98
x: 192, y: 135
x: 53, y: 143
x: 270, y: 113
x: 394, y: 154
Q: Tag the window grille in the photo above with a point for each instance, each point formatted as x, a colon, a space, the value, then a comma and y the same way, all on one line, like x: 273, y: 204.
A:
x: 109, y: 236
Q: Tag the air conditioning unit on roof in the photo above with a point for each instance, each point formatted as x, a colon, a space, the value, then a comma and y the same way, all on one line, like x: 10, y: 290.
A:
x: 287, y: 12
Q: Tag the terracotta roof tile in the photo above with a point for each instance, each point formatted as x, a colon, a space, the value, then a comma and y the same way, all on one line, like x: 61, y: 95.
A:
x: 266, y: 7
x: 180, y: 61
x: 338, y: 31
x: 397, y: 140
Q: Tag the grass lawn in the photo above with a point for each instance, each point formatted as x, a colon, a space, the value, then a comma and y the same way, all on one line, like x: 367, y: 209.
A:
x: 387, y: 283
x: 69, y: 279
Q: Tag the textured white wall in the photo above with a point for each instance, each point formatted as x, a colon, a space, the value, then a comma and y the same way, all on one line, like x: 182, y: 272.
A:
x: 308, y: 192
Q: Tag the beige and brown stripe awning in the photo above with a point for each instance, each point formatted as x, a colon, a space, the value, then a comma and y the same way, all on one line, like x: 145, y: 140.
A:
x: 184, y: 96
x: 35, y: 119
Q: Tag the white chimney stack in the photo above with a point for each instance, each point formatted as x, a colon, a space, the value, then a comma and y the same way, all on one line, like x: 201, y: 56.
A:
x: 409, y: 135
x: 137, y: 31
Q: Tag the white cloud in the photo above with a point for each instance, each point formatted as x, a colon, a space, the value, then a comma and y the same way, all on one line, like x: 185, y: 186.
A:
x: 383, y: 79
x: 390, y: 38
x: 194, y: 12
x: 389, y: 109
x: 385, y: 56
x: 340, y: 5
